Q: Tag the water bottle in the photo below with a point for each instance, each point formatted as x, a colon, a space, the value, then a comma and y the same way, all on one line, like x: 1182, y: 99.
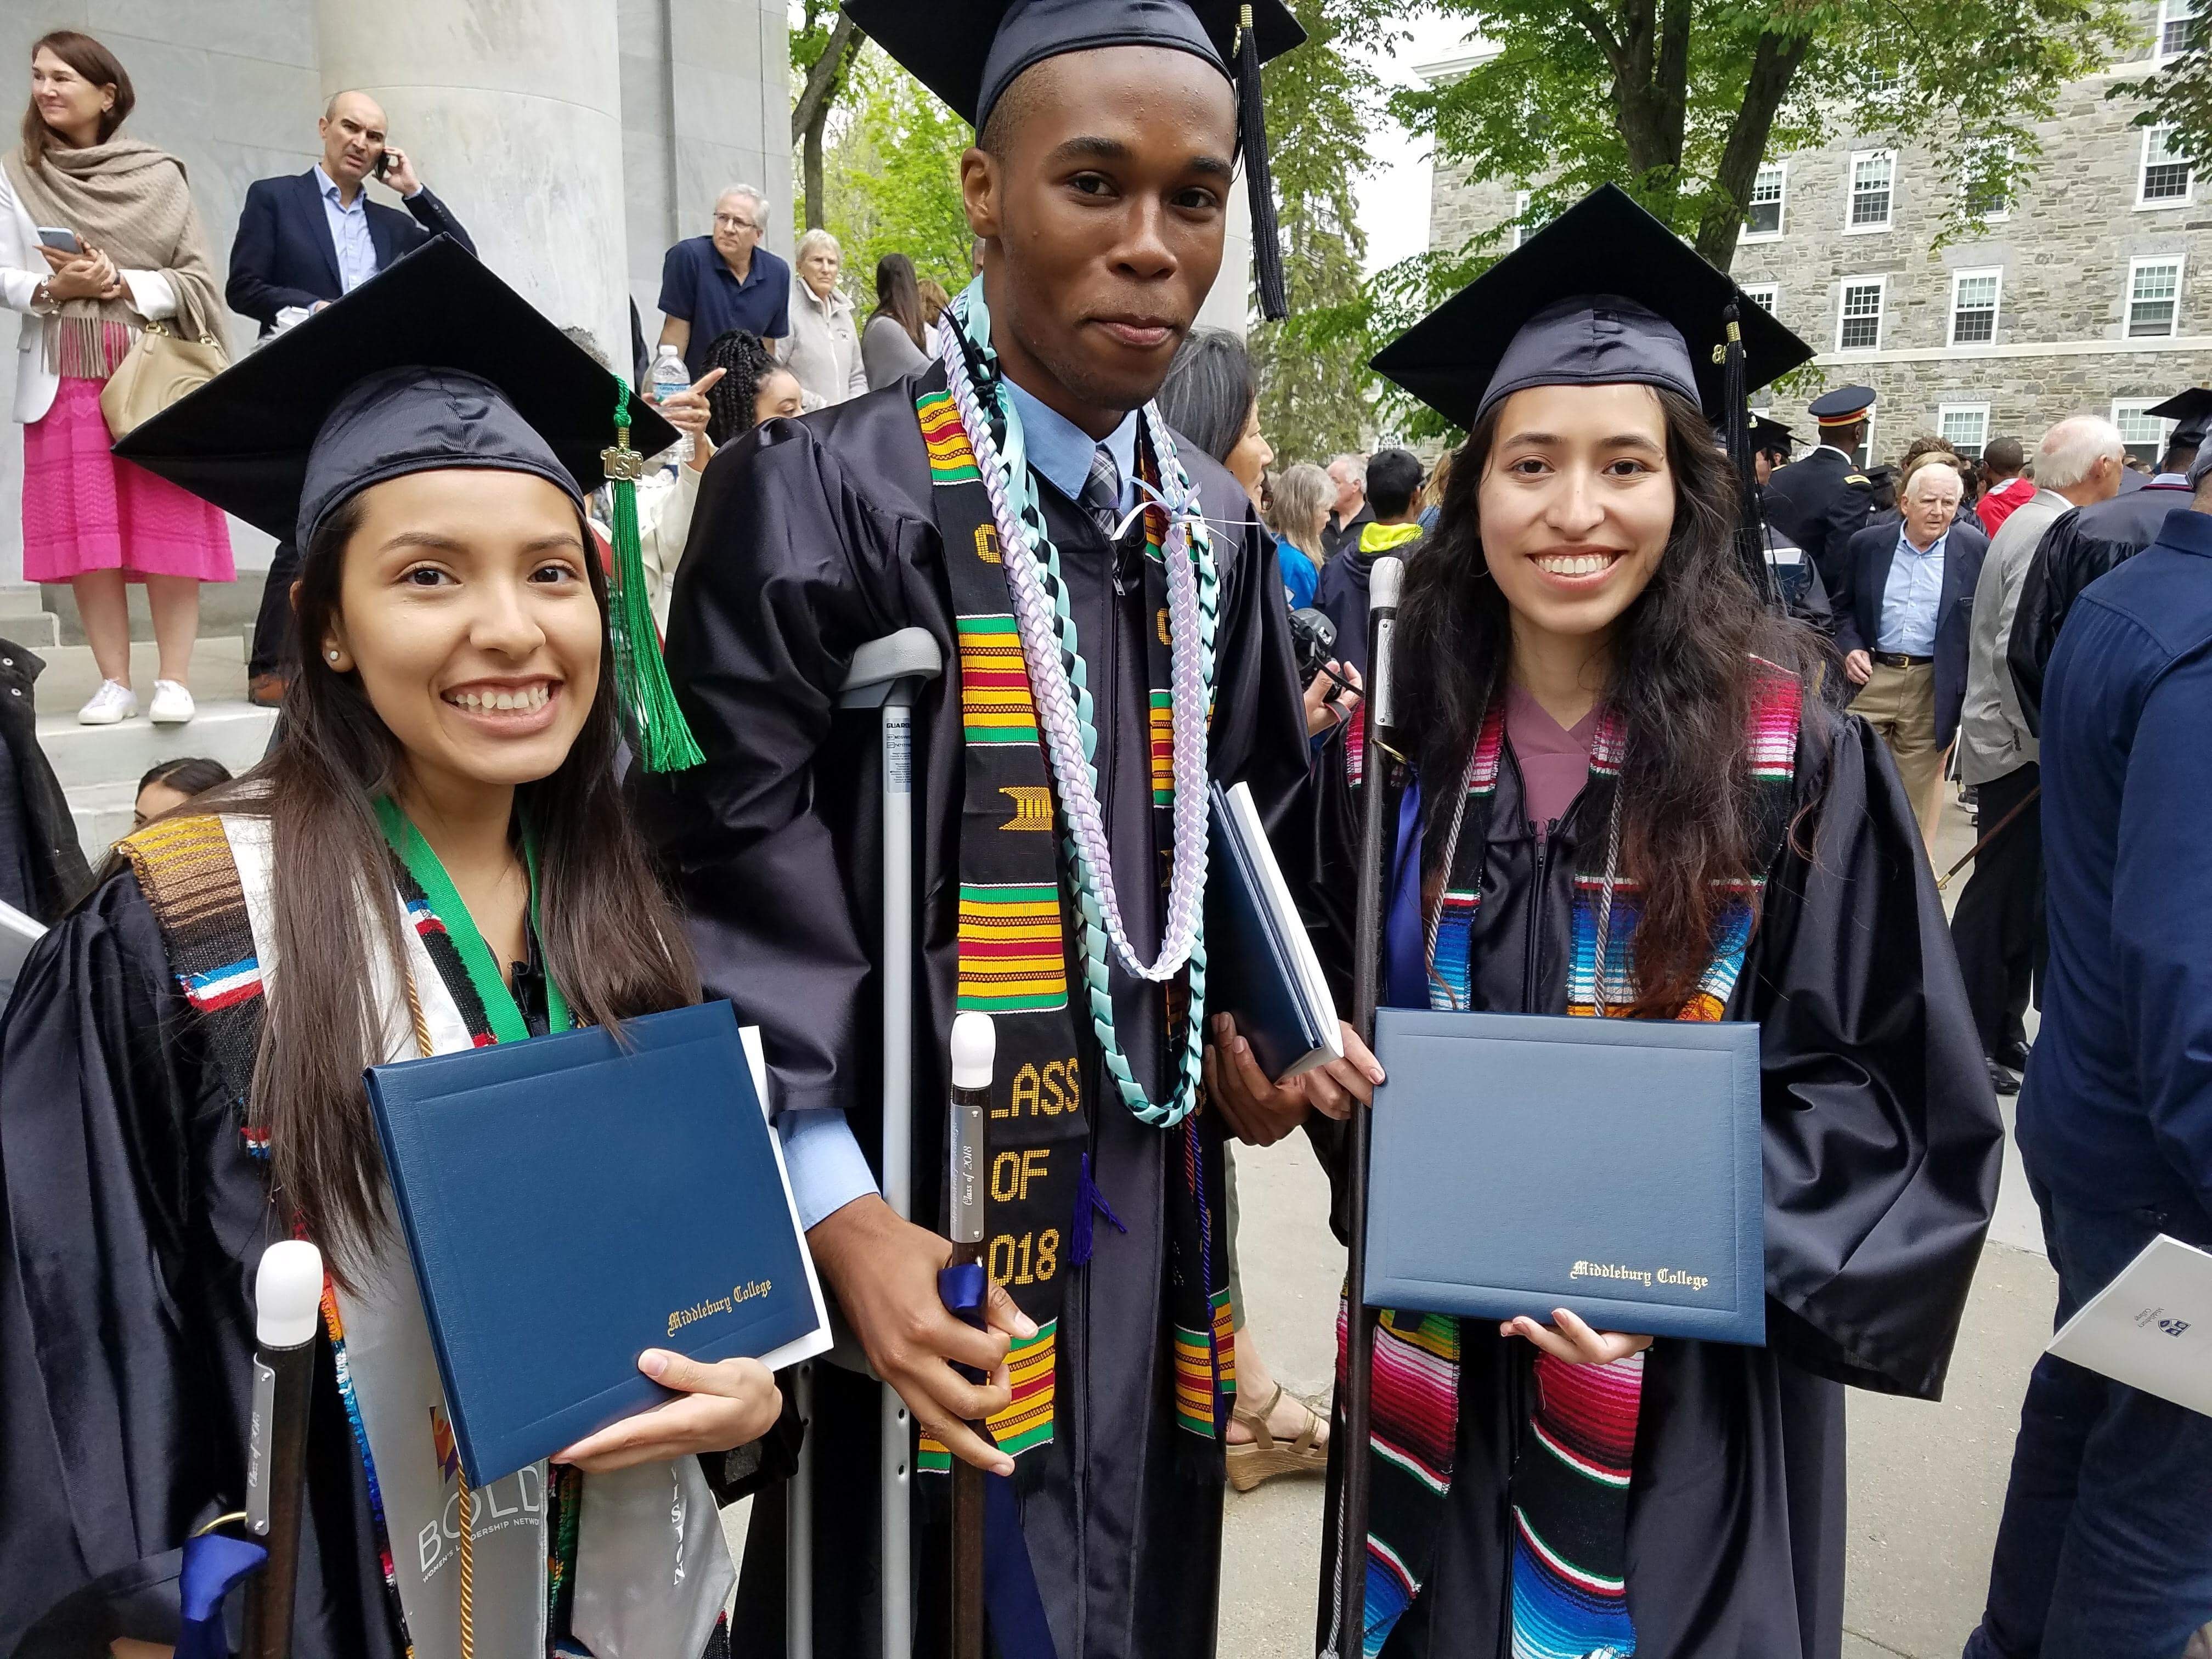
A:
x: 669, y: 377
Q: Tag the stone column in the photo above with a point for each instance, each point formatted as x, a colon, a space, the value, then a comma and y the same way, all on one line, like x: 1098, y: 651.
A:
x: 511, y: 110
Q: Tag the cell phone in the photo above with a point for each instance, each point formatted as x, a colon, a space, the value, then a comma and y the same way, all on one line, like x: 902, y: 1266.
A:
x: 383, y: 163
x: 60, y: 237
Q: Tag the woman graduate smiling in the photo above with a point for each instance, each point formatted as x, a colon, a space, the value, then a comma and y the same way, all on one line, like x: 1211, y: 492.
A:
x: 433, y: 855
x: 1588, y: 688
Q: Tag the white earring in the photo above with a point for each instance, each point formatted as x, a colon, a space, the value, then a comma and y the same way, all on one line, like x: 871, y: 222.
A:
x: 332, y: 653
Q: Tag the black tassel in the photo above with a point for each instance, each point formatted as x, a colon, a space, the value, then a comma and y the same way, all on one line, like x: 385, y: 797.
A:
x: 1735, y: 430
x: 1259, y: 179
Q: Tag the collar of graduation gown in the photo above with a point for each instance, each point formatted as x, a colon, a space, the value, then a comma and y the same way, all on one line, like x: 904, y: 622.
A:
x: 1061, y: 451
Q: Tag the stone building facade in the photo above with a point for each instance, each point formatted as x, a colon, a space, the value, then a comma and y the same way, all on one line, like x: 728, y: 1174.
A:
x: 2092, y: 293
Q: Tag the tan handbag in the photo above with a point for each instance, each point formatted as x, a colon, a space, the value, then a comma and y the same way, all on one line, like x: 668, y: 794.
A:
x: 158, y: 368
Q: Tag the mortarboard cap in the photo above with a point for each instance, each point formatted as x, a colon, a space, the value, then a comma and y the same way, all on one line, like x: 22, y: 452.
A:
x: 434, y: 363
x: 969, y: 51
x: 1538, y: 317
x: 2191, y: 413
x: 1845, y: 406
x: 1770, y: 437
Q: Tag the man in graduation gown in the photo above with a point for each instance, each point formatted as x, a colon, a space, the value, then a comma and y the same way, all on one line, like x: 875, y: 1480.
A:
x: 1108, y: 134
x: 2090, y: 541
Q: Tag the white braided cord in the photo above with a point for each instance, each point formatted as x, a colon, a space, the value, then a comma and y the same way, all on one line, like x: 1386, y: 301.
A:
x: 1061, y: 690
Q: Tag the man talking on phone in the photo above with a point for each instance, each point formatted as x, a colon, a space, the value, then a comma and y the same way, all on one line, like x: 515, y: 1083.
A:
x: 303, y: 240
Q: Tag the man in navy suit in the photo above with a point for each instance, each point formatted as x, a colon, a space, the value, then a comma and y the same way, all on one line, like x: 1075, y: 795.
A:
x: 1905, y: 599
x: 304, y: 241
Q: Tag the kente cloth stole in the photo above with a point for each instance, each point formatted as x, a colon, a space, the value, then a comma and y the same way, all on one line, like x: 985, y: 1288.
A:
x: 1572, y: 1471
x: 1016, y: 947
x: 191, y: 883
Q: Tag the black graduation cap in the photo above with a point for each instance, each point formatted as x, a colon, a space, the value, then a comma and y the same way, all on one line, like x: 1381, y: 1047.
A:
x: 969, y: 51
x: 1604, y: 295
x: 2191, y: 410
x: 433, y: 362
x: 1770, y: 437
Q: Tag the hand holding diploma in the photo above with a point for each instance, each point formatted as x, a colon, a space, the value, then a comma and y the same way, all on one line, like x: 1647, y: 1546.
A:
x: 1570, y: 1339
x: 1260, y: 1112
x: 726, y: 1405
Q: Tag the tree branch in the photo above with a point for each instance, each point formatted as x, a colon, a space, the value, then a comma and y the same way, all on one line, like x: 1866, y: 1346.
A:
x: 1774, y: 64
x: 1593, y: 21
x: 822, y: 81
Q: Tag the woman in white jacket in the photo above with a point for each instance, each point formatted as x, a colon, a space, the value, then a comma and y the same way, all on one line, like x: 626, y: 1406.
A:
x: 823, y: 348
x: 133, y: 255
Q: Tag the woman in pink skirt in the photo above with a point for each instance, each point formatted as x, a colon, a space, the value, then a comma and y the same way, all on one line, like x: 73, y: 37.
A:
x: 134, y: 254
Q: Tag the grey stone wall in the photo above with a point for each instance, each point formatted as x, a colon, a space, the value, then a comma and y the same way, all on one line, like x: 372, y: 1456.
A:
x: 2060, y: 344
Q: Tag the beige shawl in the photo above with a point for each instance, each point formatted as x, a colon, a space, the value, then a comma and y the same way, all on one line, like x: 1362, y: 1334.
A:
x: 132, y: 202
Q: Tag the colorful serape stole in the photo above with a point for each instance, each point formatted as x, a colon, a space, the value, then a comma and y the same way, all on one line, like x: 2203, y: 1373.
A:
x: 1569, y: 1488
x: 1016, y: 944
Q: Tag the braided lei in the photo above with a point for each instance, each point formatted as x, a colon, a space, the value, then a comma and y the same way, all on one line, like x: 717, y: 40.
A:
x: 1059, y: 683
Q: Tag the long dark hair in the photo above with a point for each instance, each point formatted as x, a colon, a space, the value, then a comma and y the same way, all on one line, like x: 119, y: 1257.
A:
x: 100, y: 67
x: 609, y: 936
x: 898, y: 296
x: 733, y: 400
x: 1681, y: 682
x: 1208, y: 393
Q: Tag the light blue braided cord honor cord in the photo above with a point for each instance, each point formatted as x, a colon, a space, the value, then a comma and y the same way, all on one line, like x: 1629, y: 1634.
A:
x: 1064, y: 713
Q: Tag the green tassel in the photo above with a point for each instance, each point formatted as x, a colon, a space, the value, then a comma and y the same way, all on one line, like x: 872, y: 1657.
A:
x: 664, y: 743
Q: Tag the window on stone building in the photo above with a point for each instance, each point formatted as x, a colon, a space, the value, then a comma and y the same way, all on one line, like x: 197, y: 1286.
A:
x: 2165, y: 173
x: 1765, y: 296
x: 2143, y: 432
x: 2176, y: 18
x: 2154, y: 298
x: 1859, y: 326
x: 1981, y: 197
x: 1764, y: 218
x: 1967, y: 425
x: 1873, y: 174
x: 1519, y: 213
x: 1974, y: 307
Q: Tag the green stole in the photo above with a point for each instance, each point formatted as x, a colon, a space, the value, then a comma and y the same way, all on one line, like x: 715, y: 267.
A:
x: 1016, y: 948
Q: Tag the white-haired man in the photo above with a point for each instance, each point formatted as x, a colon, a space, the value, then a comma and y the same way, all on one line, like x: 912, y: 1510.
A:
x: 1997, y: 927
x: 1902, y: 606
x: 724, y: 280
x: 1351, y: 515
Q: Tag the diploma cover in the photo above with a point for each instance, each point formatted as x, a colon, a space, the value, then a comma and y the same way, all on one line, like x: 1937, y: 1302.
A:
x: 570, y: 1201
x: 1528, y: 1162
x: 1262, y: 968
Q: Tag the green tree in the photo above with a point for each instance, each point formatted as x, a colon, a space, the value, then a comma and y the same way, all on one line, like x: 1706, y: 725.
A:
x: 2179, y: 95
x: 1322, y: 104
x: 823, y: 44
x: 891, y: 176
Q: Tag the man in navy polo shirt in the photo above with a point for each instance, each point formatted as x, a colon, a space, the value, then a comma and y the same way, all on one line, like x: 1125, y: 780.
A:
x: 711, y: 284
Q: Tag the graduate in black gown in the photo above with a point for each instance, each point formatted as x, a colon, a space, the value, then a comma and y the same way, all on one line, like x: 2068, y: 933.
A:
x: 1591, y: 698
x: 1099, y: 194
x: 180, y: 1068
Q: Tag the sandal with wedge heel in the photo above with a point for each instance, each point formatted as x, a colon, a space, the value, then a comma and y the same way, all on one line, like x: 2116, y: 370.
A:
x: 1265, y: 1456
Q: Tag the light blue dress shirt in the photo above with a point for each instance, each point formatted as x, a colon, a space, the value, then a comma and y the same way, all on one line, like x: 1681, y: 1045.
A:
x: 1911, y: 598
x: 828, y: 1169
x: 350, y: 232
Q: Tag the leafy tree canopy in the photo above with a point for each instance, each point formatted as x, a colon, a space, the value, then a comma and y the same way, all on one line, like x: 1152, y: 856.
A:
x: 891, y: 178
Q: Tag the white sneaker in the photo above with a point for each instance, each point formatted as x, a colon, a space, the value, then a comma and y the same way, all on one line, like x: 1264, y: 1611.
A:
x: 113, y: 701
x: 172, y: 704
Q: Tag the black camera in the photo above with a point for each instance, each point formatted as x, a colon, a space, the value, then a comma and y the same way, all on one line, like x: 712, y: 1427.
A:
x: 1313, y: 636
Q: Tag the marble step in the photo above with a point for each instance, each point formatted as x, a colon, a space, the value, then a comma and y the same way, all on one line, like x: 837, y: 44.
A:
x: 83, y: 757
x: 102, y: 813
x: 218, y: 672
x: 25, y: 619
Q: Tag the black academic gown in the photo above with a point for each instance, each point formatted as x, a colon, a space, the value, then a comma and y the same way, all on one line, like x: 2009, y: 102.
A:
x: 812, y: 538
x: 1883, y: 1146
x: 136, y: 1219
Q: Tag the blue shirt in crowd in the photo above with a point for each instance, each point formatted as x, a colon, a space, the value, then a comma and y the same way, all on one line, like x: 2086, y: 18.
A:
x: 2116, y: 1110
x: 349, y: 231
x: 1911, y: 598
x: 1299, y: 573
x: 698, y: 285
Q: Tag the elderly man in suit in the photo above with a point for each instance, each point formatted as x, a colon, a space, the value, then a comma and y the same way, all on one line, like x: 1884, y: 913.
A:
x: 1902, y: 614
x: 303, y: 240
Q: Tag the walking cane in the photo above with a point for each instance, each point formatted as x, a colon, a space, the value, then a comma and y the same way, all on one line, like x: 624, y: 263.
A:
x: 1383, y: 581
x: 2003, y: 825
x: 288, y: 1294
x: 887, y: 674
x: 962, y: 1286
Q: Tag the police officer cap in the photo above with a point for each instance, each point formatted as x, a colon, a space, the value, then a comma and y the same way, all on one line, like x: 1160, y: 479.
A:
x: 1843, y: 406
x: 1658, y: 320
x: 432, y: 364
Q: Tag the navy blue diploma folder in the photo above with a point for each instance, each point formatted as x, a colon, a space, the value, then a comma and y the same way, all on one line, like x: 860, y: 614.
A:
x: 1523, y: 1162
x: 1261, y: 966
x: 570, y: 1202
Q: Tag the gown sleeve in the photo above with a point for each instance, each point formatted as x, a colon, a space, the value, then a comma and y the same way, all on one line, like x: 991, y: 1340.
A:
x: 787, y: 573
x: 1883, y: 1138
x: 117, y: 1434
